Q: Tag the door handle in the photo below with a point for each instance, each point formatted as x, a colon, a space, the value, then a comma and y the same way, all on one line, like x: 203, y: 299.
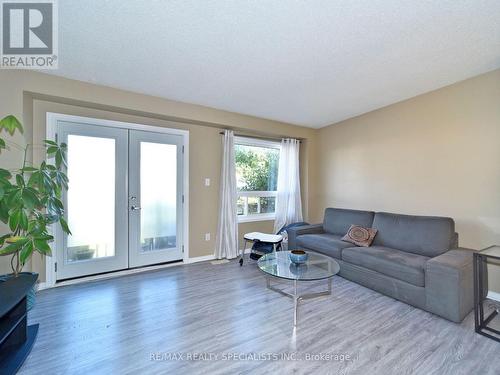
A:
x: 134, y: 208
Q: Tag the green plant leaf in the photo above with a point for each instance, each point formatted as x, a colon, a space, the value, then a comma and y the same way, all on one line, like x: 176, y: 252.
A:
x: 45, y: 237
x: 4, y: 173
x: 34, y: 180
x: 64, y: 225
x: 4, y: 212
x: 48, y: 142
x: 5, y: 184
x: 52, y: 150
x: 29, y: 169
x: 9, y: 249
x: 26, y: 252
x: 2, y: 238
x: 2, y: 143
x: 13, y: 198
x: 42, y: 246
x: 59, y: 159
x: 58, y: 204
x: 14, y: 219
x: 23, y: 220
x: 13, y: 247
x: 30, y: 200
x: 11, y: 123
x: 19, y: 180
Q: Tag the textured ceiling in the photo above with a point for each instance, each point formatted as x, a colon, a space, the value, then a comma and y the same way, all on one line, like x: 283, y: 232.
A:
x: 311, y: 63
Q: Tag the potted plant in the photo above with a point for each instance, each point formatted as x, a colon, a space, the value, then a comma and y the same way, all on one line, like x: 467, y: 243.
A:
x: 30, y: 201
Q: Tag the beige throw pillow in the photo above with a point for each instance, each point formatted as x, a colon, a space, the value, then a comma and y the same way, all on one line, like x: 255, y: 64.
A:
x: 360, y: 236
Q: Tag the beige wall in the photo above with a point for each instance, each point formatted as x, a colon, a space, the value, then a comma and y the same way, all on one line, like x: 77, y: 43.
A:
x: 31, y: 95
x: 435, y: 154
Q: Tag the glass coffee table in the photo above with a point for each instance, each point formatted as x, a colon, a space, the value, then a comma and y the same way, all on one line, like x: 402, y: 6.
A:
x: 317, y: 267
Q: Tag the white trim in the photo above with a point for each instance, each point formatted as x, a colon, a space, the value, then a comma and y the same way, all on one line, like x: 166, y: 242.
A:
x: 256, y: 217
x: 41, y: 286
x: 255, y: 142
x: 52, y: 116
x: 111, y: 275
x: 270, y: 193
x: 249, y: 141
x: 495, y: 296
x: 50, y: 275
x: 199, y: 259
x: 51, y: 121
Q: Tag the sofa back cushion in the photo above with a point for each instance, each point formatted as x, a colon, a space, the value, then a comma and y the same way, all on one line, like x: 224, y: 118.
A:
x: 338, y: 220
x: 423, y: 235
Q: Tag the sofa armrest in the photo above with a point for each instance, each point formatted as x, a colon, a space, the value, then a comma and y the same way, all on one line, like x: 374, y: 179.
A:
x: 449, y: 284
x: 297, y: 231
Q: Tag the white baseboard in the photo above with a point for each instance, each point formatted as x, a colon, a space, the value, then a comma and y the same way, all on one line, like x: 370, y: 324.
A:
x: 205, y: 258
x: 199, y: 259
x: 209, y: 257
x: 41, y: 286
x: 493, y: 295
x: 111, y: 275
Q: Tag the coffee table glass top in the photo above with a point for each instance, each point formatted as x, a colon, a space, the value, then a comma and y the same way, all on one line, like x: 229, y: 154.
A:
x: 317, y: 266
x: 493, y: 251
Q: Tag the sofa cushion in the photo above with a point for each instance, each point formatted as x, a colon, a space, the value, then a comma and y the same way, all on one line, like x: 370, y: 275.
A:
x: 324, y: 243
x: 338, y: 220
x: 390, y: 262
x: 423, y: 235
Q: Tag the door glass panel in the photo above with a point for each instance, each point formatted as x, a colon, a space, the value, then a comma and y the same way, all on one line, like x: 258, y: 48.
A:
x: 158, y: 198
x: 91, y: 198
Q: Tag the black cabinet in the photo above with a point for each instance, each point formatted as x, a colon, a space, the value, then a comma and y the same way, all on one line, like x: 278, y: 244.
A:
x: 16, y: 337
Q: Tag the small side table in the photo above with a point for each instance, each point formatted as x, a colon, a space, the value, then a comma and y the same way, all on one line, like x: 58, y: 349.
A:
x: 274, y: 239
x: 481, y: 322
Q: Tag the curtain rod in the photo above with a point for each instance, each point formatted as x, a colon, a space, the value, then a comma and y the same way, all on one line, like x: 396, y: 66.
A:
x: 257, y: 137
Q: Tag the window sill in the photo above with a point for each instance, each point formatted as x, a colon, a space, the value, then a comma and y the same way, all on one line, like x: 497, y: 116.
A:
x: 253, y: 218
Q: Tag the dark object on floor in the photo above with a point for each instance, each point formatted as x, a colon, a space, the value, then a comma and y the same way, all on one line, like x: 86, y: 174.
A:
x: 16, y: 337
x: 255, y: 256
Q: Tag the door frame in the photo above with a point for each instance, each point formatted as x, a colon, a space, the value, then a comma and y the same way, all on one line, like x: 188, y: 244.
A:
x: 51, y: 121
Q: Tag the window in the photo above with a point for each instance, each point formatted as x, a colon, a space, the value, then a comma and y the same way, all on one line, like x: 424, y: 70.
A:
x: 256, y: 178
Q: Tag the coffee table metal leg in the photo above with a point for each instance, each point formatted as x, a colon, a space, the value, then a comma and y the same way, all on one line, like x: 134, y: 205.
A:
x: 296, y: 297
x: 295, y: 303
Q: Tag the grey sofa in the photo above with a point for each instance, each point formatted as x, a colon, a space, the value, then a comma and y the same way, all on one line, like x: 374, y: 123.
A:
x: 415, y: 259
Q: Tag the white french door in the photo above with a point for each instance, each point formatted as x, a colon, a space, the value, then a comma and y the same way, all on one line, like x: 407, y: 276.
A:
x: 124, y: 201
x: 155, y: 198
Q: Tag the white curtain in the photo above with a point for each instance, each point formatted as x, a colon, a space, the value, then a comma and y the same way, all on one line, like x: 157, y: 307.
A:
x: 227, y: 229
x: 288, y: 202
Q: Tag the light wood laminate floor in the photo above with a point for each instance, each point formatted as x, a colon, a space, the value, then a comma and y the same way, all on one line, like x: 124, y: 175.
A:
x: 115, y: 326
